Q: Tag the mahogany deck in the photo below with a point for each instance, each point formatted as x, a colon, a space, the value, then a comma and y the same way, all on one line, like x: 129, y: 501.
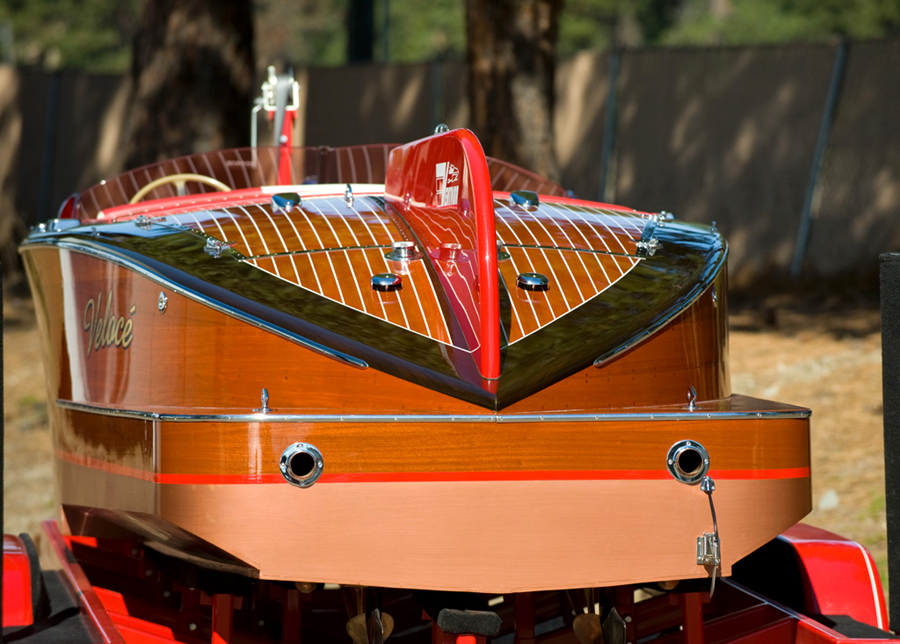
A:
x: 332, y: 248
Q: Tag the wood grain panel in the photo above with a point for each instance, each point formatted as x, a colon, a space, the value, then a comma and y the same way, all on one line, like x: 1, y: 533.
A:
x: 738, y: 448
x: 194, y: 358
x: 481, y: 537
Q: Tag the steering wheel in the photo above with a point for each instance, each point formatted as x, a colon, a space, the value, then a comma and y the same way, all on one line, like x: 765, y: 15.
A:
x: 179, y: 180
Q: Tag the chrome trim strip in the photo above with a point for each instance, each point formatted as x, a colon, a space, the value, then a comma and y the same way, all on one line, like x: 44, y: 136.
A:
x: 310, y: 251
x: 99, y: 253
x: 572, y: 249
x: 273, y: 417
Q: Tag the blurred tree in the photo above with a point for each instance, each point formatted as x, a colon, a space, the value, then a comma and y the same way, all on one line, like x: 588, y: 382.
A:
x: 314, y: 32
x: 758, y: 21
x: 71, y: 33
x: 511, y: 61
x: 424, y: 29
x: 95, y: 35
x: 300, y: 32
x: 192, y: 73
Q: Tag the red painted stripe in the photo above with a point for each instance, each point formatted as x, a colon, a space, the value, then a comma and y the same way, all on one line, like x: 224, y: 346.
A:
x: 429, y: 477
x: 106, y: 466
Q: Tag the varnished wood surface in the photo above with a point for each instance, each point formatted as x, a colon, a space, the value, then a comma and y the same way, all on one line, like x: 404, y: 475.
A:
x: 533, y: 513
x: 333, y: 249
x: 691, y: 351
x: 255, y: 167
x: 751, y: 448
x: 470, y: 536
x: 196, y: 359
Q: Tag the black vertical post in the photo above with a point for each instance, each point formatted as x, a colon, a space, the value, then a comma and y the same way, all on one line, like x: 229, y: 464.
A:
x: 890, y: 373
x: 360, y: 31
x: 48, y: 157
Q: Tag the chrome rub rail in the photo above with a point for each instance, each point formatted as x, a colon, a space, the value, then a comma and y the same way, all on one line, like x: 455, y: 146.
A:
x: 431, y: 418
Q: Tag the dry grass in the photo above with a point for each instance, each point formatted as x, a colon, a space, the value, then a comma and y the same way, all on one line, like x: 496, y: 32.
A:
x: 830, y: 361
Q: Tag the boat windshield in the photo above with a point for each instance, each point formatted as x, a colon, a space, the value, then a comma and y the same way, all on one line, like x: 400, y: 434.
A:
x: 256, y: 167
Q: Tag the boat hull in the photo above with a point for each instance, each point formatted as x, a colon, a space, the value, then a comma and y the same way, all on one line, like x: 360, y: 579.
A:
x: 479, y: 536
x: 159, y: 430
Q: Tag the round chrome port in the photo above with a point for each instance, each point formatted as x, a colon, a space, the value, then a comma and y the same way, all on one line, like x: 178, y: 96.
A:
x: 301, y: 464
x: 688, y: 462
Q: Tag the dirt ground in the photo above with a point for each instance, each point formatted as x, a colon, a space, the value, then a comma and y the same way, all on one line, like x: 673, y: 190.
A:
x: 825, y: 356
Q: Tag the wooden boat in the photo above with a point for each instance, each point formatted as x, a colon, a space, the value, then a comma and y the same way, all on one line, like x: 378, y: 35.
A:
x: 404, y: 367
x: 306, y: 394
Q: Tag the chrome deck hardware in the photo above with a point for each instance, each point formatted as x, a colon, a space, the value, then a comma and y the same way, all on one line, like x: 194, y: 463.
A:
x: 143, y: 222
x: 162, y: 302
x: 284, y: 202
x: 348, y: 195
x: 648, y: 244
x: 403, y: 251
x: 441, y: 128
x: 501, y: 254
x: 692, y: 398
x: 386, y: 282
x: 264, y: 400
x: 524, y: 198
x: 662, y: 217
x: 215, y: 247
x: 533, y: 282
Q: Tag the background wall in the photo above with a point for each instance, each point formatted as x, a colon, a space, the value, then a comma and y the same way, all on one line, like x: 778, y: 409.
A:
x: 710, y: 134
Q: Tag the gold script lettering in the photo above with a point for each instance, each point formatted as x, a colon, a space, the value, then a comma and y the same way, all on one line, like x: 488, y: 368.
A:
x: 109, y: 329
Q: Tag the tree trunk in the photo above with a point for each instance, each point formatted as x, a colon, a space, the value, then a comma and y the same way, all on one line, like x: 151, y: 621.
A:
x: 192, y: 73
x: 511, y: 58
x: 360, y: 31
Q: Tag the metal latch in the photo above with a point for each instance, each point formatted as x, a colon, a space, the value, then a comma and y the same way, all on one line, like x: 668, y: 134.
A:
x: 709, y: 551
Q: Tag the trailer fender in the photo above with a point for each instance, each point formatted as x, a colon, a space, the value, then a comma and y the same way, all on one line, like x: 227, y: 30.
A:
x: 17, y: 603
x: 839, y: 576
